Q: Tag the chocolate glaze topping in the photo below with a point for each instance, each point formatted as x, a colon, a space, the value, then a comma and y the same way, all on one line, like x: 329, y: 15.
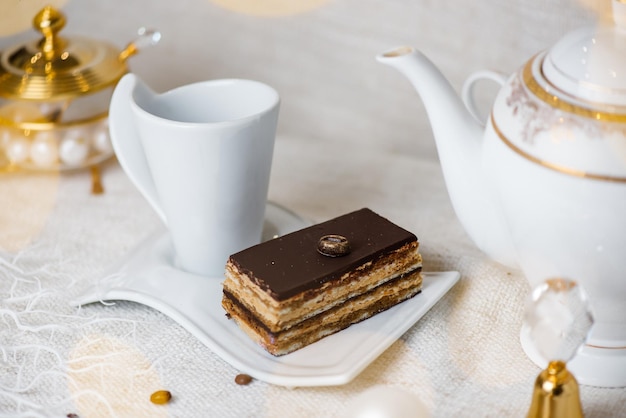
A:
x: 288, y: 265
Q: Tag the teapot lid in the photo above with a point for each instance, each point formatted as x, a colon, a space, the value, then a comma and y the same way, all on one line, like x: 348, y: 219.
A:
x: 588, y: 64
x: 55, y: 67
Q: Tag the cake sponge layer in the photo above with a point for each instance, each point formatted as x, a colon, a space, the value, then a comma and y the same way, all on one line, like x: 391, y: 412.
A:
x: 277, y: 315
x: 354, y: 310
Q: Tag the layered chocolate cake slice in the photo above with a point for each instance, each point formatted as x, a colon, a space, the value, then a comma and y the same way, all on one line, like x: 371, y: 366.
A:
x: 293, y: 290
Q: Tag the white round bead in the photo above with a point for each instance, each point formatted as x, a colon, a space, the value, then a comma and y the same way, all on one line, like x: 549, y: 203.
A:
x: 18, y: 149
x: 386, y: 402
x: 101, y: 140
x: 74, y: 148
x: 44, y: 151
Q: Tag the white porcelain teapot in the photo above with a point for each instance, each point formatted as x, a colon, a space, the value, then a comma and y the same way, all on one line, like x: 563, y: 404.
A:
x: 543, y: 185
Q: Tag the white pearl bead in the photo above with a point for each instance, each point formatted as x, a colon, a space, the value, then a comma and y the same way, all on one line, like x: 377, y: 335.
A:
x: 18, y: 149
x: 101, y: 139
x: 386, y: 402
x: 44, y: 151
x: 74, y: 148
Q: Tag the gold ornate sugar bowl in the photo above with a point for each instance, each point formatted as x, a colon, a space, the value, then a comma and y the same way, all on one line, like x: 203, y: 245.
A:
x: 54, y: 97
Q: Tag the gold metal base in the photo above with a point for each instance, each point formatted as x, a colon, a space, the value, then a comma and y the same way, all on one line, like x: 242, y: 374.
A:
x: 555, y: 394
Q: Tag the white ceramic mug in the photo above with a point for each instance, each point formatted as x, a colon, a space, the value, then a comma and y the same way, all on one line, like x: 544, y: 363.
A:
x: 201, y: 154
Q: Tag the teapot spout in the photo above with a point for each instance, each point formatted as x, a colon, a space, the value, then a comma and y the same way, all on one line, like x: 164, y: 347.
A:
x: 458, y: 136
x: 443, y: 105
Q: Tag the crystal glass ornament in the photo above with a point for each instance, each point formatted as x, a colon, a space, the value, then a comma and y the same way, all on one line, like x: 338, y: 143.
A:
x: 559, y: 318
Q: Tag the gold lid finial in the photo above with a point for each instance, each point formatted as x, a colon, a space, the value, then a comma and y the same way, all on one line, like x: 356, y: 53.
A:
x: 49, y: 21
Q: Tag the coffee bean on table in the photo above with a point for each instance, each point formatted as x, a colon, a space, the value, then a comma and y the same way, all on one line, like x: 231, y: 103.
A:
x: 160, y: 397
x: 243, y: 379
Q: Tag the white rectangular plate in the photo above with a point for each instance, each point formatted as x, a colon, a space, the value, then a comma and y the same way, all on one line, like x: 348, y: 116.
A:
x: 148, y: 276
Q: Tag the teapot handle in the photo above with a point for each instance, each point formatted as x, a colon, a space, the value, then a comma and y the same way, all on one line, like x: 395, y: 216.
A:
x: 468, y: 92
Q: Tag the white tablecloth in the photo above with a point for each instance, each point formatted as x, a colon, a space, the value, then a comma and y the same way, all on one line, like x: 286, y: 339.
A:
x: 463, y: 358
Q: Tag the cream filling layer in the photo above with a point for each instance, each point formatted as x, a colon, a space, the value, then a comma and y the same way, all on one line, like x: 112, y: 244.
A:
x: 353, y: 311
x: 280, y: 315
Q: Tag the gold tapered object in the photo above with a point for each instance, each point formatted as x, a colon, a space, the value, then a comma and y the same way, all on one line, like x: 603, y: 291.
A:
x: 555, y: 394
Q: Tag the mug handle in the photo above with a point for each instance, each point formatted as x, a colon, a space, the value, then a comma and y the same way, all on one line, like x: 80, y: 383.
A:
x: 125, y: 139
x: 467, y: 92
